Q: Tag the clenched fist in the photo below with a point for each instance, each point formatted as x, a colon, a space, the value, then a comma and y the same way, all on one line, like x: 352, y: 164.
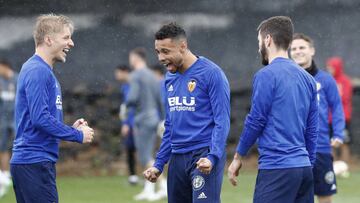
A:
x: 204, y: 165
x: 88, y: 133
x: 151, y: 174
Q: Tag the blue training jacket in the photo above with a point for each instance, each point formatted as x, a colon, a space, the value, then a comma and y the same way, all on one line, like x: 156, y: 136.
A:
x: 38, y: 115
x: 329, y: 101
x: 283, y: 116
x: 197, y: 112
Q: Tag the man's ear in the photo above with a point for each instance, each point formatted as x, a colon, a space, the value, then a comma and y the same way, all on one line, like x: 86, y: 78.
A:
x: 268, y: 40
x: 183, y: 46
x: 312, y: 50
x: 47, y: 40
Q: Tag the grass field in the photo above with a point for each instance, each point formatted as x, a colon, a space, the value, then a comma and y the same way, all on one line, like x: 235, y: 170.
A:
x: 116, y: 190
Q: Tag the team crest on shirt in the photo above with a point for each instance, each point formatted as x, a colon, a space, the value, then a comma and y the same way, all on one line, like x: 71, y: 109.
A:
x: 191, y: 85
x: 329, y: 177
x: 318, y: 86
x: 198, y: 182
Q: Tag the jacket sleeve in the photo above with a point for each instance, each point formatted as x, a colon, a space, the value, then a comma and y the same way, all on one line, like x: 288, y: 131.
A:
x: 163, y: 155
x: 38, y: 83
x: 134, y: 91
x: 219, y: 94
x: 336, y: 108
x: 255, y: 122
x: 347, y: 98
x: 312, y: 127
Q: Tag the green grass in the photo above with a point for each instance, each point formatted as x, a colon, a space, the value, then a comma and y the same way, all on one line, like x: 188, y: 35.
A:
x: 116, y: 190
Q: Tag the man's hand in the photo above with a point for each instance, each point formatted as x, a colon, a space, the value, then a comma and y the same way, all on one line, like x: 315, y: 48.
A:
x: 151, y: 174
x: 234, y: 168
x: 125, y: 130
x: 88, y: 133
x: 204, y: 165
x: 79, y: 122
x: 336, y: 142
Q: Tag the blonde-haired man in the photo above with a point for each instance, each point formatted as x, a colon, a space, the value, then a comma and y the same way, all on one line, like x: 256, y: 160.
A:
x: 38, y: 114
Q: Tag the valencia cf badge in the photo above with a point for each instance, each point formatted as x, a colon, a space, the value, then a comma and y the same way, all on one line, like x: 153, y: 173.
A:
x: 191, y: 85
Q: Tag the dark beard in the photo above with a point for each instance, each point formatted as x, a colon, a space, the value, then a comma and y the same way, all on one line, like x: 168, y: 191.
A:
x: 264, y: 57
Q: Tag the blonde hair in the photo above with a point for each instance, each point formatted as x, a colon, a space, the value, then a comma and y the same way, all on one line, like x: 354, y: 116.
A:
x: 49, y: 24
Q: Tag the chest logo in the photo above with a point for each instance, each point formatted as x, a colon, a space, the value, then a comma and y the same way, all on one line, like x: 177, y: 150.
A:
x: 191, y: 85
x: 318, y: 86
x: 171, y: 88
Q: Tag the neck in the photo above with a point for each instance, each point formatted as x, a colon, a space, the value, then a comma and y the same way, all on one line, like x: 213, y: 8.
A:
x: 311, y: 68
x: 139, y: 65
x: 307, y: 65
x: 9, y: 74
x: 277, y: 53
x: 40, y: 51
x: 189, y: 60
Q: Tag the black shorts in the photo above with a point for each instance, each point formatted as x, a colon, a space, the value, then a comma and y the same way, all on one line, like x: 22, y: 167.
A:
x: 324, y: 176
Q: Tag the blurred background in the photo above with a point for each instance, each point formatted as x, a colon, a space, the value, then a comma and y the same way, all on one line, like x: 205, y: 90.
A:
x: 223, y: 31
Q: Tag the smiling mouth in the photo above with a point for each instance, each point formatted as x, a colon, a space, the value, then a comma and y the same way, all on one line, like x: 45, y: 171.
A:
x: 166, y: 64
x: 66, y: 50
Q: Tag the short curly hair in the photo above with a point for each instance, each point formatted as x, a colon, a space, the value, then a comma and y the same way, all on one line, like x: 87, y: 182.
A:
x: 171, y: 30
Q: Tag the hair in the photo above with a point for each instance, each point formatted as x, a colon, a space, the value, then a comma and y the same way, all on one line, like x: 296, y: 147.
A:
x: 171, y: 30
x: 123, y: 67
x: 280, y: 28
x: 140, y: 52
x: 49, y: 24
x: 6, y: 63
x: 303, y: 37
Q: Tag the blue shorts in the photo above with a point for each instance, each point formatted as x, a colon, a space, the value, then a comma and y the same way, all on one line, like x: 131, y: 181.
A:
x: 324, y: 176
x: 35, y: 183
x: 186, y: 184
x: 284, y: 185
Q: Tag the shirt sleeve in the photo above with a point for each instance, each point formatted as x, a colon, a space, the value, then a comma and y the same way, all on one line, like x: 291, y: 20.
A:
x: 134, y: 92
x: 129, y: 120
x: 219, y: 94
x: 256, y: 120
x: 163, y: 155
x: 336, y: 108
x: 312, y: 127
x: 161, y: 101
x: 37, y: 94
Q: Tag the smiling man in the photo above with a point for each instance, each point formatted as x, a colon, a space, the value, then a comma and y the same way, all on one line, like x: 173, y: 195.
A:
x: 39, y: 116
x: 302, y: 51
x: 197, y: 121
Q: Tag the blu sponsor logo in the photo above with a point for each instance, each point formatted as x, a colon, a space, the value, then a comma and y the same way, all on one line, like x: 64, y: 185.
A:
x: 182, y: 104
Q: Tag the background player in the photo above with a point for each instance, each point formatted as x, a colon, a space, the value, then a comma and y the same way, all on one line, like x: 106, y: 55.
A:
x: 122, y: 74
x: 144, y: 96
x: 302, y: 52
x: 335, y: 66
x: 8, y: 79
